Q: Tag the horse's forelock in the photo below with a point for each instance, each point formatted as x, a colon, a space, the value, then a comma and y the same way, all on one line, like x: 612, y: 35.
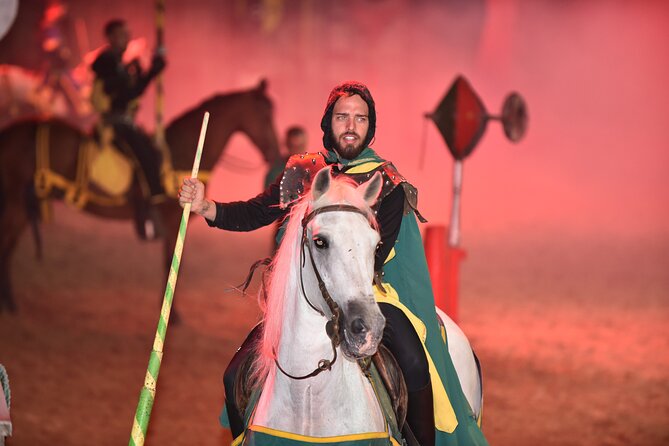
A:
x: 343, y: 190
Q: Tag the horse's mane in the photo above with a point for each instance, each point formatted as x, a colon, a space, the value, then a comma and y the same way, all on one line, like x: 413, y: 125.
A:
x: 284, y: 277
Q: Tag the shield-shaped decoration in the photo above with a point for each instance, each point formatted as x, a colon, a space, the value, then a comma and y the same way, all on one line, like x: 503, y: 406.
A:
x: 461, y: 118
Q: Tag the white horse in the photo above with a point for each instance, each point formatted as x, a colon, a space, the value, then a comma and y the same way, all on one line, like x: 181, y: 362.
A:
x: 321, y: 317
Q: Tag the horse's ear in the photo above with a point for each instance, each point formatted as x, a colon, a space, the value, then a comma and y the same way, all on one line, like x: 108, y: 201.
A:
x: 321, y: 183
x: 371, y: 188
x: 262, y: 86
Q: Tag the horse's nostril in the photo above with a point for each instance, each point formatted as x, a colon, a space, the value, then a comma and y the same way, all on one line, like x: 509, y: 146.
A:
x: 358, y: 326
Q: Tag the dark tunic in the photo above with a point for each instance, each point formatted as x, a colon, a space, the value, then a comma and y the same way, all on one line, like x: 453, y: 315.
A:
x: 266, y: 208
x: 122, y: 83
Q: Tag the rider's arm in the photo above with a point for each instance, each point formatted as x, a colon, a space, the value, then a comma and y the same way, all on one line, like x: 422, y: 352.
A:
x: 389, y: 219
x: 137, y: 89
x: 252, y: 214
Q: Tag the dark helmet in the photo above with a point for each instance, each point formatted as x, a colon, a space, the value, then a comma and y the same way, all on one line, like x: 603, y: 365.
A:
x: 348, y: 88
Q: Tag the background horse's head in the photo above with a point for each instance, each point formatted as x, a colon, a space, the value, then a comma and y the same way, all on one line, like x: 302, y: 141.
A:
x: 248, y: 111
x: 337, y: 245
x: 263, y: 135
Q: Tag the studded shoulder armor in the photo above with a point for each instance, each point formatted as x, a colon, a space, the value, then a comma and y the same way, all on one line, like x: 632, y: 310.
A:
x: 297, y: 176
x: 301, y: 169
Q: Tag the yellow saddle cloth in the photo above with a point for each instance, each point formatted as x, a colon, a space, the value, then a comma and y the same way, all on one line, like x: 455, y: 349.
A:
x: 109, y: 169
x: 445, y: 419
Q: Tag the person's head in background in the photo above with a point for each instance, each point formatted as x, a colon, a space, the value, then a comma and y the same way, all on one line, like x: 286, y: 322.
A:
x: 117, y: 35
x: 296, y: 140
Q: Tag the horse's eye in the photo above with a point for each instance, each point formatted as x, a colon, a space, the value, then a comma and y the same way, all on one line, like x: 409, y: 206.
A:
x: 320, y: 243
x: 378, y: 245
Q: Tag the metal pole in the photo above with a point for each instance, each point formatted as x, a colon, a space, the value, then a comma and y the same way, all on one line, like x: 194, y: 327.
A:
x: 454, y: 229
x: 160, y: 93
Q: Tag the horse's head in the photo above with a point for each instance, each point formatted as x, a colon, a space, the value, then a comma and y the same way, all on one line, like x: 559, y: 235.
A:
x: 339, y: 243
x: 249, y: 111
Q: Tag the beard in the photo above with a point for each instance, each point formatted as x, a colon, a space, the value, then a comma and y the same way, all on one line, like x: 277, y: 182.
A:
x: 348, y: 151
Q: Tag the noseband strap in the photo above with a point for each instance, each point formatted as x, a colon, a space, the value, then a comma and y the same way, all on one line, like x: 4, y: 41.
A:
x: 332, y: 325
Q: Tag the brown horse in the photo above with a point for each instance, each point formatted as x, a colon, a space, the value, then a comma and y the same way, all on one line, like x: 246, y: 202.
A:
x: 249, y: 111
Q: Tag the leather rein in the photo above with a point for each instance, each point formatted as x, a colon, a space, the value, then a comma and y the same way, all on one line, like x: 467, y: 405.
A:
x: 332, y: 325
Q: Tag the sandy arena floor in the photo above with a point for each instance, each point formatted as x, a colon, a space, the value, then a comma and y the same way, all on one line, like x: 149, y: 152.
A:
x: 572, y: 333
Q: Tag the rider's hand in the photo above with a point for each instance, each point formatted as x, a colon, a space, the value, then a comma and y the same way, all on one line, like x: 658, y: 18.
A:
x: 192, y: 191
x: 158, y: 63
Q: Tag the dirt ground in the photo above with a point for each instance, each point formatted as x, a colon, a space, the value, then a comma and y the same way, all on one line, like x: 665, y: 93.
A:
x: 572, y: 334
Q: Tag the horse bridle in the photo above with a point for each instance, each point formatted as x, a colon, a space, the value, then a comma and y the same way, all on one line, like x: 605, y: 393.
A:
x: 332, y: 325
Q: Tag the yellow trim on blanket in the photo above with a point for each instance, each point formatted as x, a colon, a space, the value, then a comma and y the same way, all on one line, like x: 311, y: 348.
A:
x: 237, y: 441
x: 444, y: 415
x: 364, y: 167
x: 308, y: 439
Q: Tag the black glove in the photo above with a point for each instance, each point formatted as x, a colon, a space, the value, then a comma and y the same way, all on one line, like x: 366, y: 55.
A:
x: 158, y: 64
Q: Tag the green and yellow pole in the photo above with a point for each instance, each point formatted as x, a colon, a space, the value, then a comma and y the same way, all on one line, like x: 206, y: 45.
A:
x: 148, y: 393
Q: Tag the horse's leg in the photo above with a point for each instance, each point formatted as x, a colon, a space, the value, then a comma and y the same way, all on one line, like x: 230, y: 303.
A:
x: 34, y: 217
x: 12, y: 222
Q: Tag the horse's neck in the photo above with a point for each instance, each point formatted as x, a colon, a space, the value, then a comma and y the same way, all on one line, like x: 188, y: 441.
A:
x: 217, y: 138
x: 303, y: 336
x: 216, y: 141
x: 336, y: 402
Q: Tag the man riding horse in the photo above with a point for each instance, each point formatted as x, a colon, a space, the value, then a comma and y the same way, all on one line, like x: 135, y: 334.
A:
x: 437, y: 411
x: 116, y: 93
